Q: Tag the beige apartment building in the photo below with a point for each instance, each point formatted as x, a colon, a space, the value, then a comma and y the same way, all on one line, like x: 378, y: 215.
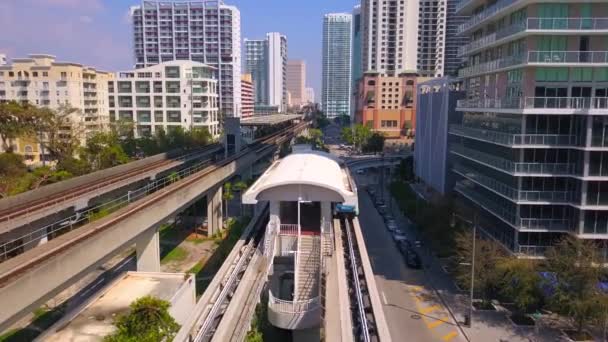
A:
x: 42, y: 81
x: 296, y: 82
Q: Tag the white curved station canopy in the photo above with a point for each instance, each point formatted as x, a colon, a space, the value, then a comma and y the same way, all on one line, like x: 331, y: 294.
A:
x: 304, y: 175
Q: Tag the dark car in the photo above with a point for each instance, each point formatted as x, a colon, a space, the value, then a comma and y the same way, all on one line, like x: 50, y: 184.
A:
x: 412, y: 259
x: 404, y: 246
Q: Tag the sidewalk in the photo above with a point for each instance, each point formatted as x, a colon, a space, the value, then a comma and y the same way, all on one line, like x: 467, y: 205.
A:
x: 487, y: 325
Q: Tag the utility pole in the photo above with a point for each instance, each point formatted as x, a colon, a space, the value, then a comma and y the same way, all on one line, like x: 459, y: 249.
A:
x: 468, y: 318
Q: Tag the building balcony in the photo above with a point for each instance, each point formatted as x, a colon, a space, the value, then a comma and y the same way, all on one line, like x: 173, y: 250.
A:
x: 482, y: 16
x: 515, y: 168
x: 514, y: 140
x: 537, y: 105
x: 506, y: 213
x: 538, y: 25
x: 518, y: 196
x: 534, y: 58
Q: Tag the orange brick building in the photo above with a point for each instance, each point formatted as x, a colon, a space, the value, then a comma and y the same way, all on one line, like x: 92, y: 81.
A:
x: 387, y: 103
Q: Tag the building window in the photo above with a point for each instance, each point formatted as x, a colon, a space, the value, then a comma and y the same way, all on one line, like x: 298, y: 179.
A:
x: 172, y: 72
x: 174, y: 116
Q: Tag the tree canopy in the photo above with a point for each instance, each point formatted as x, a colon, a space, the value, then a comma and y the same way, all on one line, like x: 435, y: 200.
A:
x: 148, y: 320
x: 576, y: 293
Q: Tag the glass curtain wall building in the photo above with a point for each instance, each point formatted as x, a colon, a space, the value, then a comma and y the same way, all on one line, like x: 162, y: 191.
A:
x: 532, y: 148
x: 336, y: 95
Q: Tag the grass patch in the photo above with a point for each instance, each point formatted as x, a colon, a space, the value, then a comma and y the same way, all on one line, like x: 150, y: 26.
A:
x: 176, y: 254
x: 104, y: 211
x: 198, y: 267
x: 225, y: 241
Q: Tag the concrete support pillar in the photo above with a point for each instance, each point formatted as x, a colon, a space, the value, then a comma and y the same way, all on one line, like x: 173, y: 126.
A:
x: 214, y: 211
x: 246, y: 172
x: 274, y: 210
x: 147, y: 247
x: 326, y: 215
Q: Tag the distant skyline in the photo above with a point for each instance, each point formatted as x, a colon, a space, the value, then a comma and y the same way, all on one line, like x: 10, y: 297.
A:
x: 98, y: 32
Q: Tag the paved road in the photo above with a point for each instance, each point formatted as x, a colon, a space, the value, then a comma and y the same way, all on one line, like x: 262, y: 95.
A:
x: 413, y: 310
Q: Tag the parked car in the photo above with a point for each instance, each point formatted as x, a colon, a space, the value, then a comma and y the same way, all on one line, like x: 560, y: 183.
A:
x: 392, y: 227
x: 388, y: 218
x: 398, y: 236
x: 404, y: 246
x: 412, y: 259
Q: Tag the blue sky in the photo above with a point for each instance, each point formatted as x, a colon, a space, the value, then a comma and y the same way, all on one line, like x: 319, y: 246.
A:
x: 98, y: 33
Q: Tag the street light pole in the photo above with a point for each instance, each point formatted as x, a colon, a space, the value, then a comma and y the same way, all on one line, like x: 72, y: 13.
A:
x: 472, y: 290
x: 469, y: 317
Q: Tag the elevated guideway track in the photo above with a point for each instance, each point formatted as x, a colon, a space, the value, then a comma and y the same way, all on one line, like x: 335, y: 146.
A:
x: 31, y: 278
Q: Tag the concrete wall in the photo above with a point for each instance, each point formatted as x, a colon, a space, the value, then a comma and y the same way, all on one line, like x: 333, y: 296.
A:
x: 184, y: 300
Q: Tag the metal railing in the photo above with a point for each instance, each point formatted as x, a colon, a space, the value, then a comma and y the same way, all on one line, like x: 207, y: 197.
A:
x: 532, y: 251
x: 511, y: 192
x: 507, y: 214
x: 537, y: 102
x: 567, y: 57
x: 288, y: 306
x: 576, y: 24
x: 536, y: 57
x: 92, y: 189
x: 9, y: 248
x: 514, y: 139
x: 288, y: 229
x: 491, y: 66
x: 514, y: 167
x: 483, y: 15
x: 537, y: 24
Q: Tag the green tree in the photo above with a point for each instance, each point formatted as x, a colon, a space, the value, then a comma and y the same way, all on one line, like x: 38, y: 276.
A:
x: 227, y: 195
x: 17, y: 120
x: 104, y: 150
x: 321, y: 122
x: 405, y: 169
x: 375, y: 143
x: 347, y: 135
x: 148, y: 320
x: 199, y: 136
x: 74, y: 166
x: 62, y: 135
x: 240, y: 187
x: 12, y: 168
x: 520, y: 282
x: 577, y: 296
x: 487, y: 255
x: 176, y: 138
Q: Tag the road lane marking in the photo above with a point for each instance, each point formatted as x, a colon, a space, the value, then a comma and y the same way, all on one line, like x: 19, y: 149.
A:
x: 416, y: 288
x: 384, y: 298
x: 449, y: 336
x: 437, y: 323
x: 430, y: 309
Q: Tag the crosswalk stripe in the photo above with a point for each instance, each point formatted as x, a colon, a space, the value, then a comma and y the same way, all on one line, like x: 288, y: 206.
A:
x: 437, y: 323
x: 430, y: 309
x: 449, y: 336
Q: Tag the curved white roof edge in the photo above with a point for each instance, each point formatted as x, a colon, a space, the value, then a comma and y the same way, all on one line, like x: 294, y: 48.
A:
x: 305, y: 167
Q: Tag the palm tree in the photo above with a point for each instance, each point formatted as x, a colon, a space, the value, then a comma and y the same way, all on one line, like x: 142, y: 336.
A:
x: 241, y: 186
x: 227, y: 195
